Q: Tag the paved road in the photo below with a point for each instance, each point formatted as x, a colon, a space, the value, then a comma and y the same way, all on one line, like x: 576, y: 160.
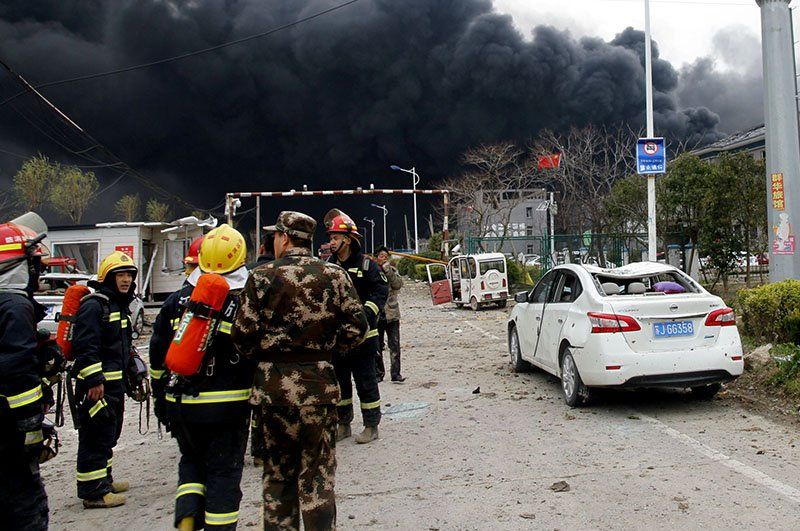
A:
x: 452, y: 459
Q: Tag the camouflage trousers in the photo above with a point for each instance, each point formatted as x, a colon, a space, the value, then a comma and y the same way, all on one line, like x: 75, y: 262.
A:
x: 299, y: 466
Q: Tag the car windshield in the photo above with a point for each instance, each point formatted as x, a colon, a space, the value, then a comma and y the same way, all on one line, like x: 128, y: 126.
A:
x: 487, y: 266
x: 663, y: 283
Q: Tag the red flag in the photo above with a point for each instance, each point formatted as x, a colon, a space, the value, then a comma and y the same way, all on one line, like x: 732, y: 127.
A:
x: 549, y: 162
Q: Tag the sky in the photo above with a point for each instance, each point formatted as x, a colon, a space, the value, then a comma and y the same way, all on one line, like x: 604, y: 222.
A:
x: 684, y: 29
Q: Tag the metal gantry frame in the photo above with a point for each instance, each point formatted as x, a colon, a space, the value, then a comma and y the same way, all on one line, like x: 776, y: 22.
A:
x: 232, y: 197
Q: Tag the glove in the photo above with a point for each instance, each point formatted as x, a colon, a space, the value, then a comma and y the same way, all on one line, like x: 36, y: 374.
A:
x: 160, y: 402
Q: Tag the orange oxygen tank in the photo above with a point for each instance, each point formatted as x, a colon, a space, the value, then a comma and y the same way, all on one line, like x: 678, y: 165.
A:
x: 197, y: 325
x: 69, y: 308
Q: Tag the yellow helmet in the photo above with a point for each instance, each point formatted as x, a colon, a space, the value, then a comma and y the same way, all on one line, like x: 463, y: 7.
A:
x: 223, y: 250
x: 115, y: 262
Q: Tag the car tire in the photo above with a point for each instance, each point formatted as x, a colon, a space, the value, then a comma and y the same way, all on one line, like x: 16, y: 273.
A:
x: 517, y: 363
x: 576, y: 394
x: 706, y: 392
x: 138, y: 326
x: 503, y: 303
x: 473, y: 303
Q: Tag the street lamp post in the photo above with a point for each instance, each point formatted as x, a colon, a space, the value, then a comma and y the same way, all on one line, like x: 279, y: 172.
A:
x: 372, y: 232
x: 385, y: 212
x: 414, y: 184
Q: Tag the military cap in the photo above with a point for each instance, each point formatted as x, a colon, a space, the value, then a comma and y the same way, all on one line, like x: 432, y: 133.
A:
x: 294, y: 224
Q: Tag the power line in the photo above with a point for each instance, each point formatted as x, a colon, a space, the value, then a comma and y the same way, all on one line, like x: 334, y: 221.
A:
x: 118, y: 165
x: 184, y: 55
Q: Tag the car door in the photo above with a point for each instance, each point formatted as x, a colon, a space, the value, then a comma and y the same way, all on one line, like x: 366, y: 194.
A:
x: 566, y: 289
x: 530, y: 315
x: 440, y: 289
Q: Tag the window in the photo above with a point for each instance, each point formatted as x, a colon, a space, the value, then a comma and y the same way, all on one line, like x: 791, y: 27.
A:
x: 528, y: 212
x: 464, y: 268
x: 174, y: 253
x: 529, y: 248
x: 528, y: 231
x: 569, y: 289
x: 473, y: 266
x: 500, y: 265
x: 85, y: 253
x: 542, y: 289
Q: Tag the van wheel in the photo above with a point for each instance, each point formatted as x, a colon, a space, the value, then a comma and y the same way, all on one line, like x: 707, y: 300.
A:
x: 576, y: 394
x: 517, y: 363
x: 473, y: 303
x: 503, y: 303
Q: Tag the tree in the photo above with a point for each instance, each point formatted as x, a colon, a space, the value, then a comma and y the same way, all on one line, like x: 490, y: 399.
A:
x: 71, y: 192
x: 157, y: 211
x: 498, y: 178
x: 128, y: 207
x: 32, y: 182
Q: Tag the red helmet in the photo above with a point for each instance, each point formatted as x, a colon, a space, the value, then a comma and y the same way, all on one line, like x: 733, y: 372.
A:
x: 342, y: 224
x: 194, y: 250
x: 17, y: 242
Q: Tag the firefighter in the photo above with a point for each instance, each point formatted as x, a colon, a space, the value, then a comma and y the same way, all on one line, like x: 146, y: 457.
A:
x: 102, y: 346
x: 359, y: 363
x: 295, y: 313
x: 23, y: 502
x: 190, y: 260
x: 208, y: 413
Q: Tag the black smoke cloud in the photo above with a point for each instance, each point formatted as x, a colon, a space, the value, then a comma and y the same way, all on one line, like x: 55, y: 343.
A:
x: 331, y: 102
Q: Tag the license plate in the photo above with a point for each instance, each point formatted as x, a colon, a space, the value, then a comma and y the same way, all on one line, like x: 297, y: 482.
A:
x: 673, y: 329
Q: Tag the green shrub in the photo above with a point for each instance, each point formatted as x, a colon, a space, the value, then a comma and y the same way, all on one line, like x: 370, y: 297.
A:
x: 420, y: 273
x: 771, y: 312
x: 515, y: 272
x: 407, y: 266
x: 787, y: 356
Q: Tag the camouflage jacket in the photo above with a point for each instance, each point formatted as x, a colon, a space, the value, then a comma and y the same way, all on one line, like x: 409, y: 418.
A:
x: 391, y: 312
x: 294, y: 314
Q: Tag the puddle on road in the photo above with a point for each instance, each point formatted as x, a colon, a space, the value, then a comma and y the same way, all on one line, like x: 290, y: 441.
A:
x: 406, y: 410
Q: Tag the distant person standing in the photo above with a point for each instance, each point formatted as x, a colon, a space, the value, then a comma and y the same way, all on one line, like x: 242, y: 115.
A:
x: 296, y: 312
x: 389, y: 319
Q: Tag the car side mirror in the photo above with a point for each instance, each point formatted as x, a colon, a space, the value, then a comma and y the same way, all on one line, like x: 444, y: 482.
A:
x: 522, y: 296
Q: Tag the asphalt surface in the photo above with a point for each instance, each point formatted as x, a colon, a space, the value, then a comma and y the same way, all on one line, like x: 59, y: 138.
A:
x: 511, y: 456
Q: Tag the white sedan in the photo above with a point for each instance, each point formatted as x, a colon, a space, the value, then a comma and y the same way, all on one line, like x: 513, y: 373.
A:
x: 640, y: 325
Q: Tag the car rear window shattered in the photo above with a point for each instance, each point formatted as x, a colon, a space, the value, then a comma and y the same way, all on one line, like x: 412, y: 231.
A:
x: 666, y: 283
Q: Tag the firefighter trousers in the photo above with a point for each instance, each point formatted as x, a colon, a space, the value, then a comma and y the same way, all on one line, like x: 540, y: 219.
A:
x: 209, y: 472
x: 299, y: 467
x: 359, y: 366
x: 23, y: 502
x: 101, y: 426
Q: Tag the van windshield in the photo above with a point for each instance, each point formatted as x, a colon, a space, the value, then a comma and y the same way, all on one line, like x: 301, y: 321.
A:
x: 500, y: 265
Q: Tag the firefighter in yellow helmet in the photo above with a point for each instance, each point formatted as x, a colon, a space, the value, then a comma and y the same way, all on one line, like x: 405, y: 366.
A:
x: 208, y: 413
x: 101, y: 346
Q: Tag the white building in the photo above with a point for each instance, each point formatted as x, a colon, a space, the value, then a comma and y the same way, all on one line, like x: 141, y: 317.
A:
x: 158, y: 249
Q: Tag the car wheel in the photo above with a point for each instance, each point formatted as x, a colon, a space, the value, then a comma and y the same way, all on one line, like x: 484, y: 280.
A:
x: 503, y: 303
x: 473, y: 303
x: 138, y: 325
x: 706, y: 392
x: 576, y: 394
x: 517, y: 363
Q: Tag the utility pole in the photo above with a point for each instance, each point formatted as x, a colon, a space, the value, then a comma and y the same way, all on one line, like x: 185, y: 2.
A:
x: 783, y: 139
x: 372, y: 233
x: 385, y: 212
x: 408, y: 236
x: 652, y: 249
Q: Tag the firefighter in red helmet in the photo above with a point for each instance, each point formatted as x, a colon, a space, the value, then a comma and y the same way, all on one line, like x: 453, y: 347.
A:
x: 23, y: 398
x: 358, y: 364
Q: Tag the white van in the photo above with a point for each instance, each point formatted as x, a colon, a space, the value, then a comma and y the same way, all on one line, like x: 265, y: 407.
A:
x: 476, y: 279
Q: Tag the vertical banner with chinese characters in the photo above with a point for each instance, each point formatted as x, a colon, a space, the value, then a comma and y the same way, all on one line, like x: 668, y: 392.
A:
x: 778, y: 197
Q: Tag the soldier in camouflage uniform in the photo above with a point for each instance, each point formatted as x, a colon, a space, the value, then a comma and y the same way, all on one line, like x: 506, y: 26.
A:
x: 295, y: 313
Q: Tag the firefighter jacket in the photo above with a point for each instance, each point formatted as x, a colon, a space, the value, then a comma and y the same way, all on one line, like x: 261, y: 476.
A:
x: 20, y: 385
x: 296, y: 313
x: 101, y: 339
x: 391, y: 312
x: 371, y: 285
x: 219, y: 392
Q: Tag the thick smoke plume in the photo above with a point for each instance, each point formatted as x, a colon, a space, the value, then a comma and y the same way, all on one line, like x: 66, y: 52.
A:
x: 331, y: 102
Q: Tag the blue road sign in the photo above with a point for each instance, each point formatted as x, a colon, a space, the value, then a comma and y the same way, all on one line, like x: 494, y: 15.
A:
x: 651, y: 156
